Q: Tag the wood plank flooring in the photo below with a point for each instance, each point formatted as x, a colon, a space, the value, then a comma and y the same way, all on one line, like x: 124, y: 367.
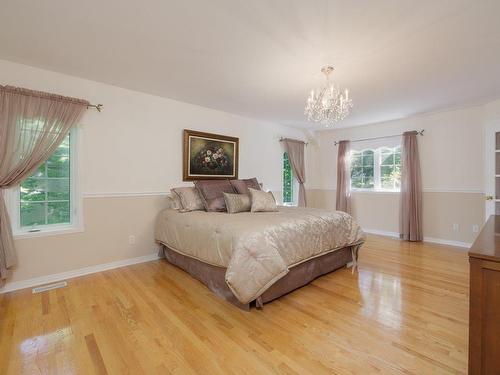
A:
x: 404, y: 312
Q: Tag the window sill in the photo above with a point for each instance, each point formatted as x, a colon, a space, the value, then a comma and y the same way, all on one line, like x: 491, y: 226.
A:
x: 289, y: 204
x: 372, y: 191
x: 56, y: 231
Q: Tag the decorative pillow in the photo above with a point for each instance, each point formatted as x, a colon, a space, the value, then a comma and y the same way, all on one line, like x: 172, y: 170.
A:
x: 237, y: 202
x: 173, y: 201
x: 241, y: 186
x: 262, y: 201
x: 212, y: 193
x: 190, y: 199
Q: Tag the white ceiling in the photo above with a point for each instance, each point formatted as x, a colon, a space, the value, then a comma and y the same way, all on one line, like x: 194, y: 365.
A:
x: 261, y: 58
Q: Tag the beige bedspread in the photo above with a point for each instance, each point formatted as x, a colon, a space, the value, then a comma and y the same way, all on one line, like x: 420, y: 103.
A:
x: 256, y: 248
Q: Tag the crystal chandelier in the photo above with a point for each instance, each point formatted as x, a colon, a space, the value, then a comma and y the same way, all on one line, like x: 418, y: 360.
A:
x: 329, y: 104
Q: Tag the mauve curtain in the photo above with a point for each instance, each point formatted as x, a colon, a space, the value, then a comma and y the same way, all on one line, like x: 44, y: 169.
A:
x: 295, y: 151
x: 410, y: 210
x: 343, y: 201
x: 32, y: 125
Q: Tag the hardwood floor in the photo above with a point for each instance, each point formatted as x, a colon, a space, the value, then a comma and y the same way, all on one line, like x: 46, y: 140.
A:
x: 404, y: 312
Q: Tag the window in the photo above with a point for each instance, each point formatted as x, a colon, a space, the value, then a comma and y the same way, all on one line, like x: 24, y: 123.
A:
x: 378, y: 169
x: 362, y: 176
x: 287, y: 180
x: 390, y: 168
x: 45, y: 201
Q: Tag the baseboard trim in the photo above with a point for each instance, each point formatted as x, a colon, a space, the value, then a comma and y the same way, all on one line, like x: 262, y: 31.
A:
x: 36, y: 281
x: 440, y: 241
x: 464, y: 245
x: 381, y: 233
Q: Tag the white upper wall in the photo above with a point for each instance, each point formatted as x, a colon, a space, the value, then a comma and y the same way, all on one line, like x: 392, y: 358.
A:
x: 451, y: 151
x: 135, y: 143
x: 261, y: 59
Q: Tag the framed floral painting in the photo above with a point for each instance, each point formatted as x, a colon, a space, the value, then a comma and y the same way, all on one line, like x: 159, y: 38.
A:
x: 209, y: 156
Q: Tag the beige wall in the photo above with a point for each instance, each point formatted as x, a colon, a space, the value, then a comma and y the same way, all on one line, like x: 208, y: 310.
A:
x: 108, y: 222
x: 132, y: 149
x: 380, y: 212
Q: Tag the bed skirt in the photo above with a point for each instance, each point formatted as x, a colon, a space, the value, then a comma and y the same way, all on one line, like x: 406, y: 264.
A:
x: 214, y: 277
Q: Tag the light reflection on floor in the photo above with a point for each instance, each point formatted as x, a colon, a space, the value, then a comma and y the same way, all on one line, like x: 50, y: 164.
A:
x: 381, y: 296
x: 46, y: 345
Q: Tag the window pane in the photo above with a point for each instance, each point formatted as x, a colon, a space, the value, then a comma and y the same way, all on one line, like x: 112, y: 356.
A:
x: 387, y: 159
x: 32, y: 213
x: 356, y: 160
x: 368, y: 183
x: 362, y: 170
x: 356, y: 172
x: 390, y: 177
x: 368, y: 172
x: 357, y: 182
x: 58, y: 166
x: 58, y: 213
x: 40, y: 172
x: 387, y: 183
x: 45, y: 196
x: 396, y: 174
x: 386, y: 171
x: 58, y: 189
x: 33, y: 189
x: 397, y: 158
x: 287, y: 180
x: 368, y: 158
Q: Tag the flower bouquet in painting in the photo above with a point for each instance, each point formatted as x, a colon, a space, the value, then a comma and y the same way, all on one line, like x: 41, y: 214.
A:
x: 209, y: 156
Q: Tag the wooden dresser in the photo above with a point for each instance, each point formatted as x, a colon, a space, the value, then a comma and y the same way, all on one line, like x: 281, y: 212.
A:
x: 484, y: 314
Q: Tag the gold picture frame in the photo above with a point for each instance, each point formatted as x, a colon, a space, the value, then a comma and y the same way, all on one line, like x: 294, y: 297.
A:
x: 208, y: 156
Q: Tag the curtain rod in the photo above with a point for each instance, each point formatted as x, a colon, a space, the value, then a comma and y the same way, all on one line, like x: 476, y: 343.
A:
x: 96, y: 106
x: 295, y: 140
x: 419, y: 132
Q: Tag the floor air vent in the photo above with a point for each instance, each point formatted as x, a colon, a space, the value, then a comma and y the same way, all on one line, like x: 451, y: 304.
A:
x: 44, y: 288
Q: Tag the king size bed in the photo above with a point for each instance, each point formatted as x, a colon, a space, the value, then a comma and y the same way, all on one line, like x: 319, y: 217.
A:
x: 255, y: 257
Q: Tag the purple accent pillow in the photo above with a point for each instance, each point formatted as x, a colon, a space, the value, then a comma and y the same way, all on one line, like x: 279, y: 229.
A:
x: 212, y: 193
x: 241, y: 186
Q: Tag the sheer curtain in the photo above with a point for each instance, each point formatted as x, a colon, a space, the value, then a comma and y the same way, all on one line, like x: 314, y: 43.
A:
x: 295, y: 151
x: 410, y: 209
x: 32, y: 125
x: 343, y: 201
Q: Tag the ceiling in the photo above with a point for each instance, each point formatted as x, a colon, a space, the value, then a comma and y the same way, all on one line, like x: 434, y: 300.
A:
x: 261, y: 58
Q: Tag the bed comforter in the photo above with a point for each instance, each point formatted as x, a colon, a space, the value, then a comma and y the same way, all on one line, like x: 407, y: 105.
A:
x: 256, y: 249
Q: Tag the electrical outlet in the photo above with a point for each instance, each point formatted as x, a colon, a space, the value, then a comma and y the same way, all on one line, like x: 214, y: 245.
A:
x: 475, y: 228
x: 131, y: 239
x: 455, y: 227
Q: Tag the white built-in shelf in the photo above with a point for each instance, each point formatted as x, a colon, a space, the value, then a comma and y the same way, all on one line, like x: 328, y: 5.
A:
x: 497, y: 150
x: 497, y: 175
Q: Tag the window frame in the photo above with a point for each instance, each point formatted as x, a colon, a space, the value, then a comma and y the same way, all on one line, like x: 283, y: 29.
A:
x: 377, y: 163
x: 13, y: 200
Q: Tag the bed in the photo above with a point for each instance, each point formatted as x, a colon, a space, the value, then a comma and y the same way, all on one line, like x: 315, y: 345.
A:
x: 251, y: 257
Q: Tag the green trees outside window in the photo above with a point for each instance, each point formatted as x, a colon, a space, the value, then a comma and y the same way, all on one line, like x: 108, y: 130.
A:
x: 362, y: 170
x: 287, y: 180
x: 45, y: 196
